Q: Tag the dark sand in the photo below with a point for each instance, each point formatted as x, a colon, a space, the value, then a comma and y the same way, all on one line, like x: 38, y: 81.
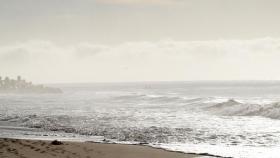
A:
x: 18, y: 148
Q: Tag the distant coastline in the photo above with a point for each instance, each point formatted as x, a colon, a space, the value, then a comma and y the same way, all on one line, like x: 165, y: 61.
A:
x: 20, y: 85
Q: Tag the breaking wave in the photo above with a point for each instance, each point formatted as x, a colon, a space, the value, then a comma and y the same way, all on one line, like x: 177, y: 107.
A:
x: 235, y: 108
x: 66, y: 124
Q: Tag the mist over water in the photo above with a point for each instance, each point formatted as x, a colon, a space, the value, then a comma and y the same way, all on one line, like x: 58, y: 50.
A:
x: 45, y: 61
x: 239, y: 119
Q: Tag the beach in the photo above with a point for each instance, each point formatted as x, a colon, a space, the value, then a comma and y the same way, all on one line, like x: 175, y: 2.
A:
x: 20, y: 148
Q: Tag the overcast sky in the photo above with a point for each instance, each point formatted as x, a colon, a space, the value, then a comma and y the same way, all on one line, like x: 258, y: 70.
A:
x: 140, y: 40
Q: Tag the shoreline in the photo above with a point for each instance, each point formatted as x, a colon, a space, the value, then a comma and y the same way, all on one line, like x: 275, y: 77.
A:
x: 28, y: 148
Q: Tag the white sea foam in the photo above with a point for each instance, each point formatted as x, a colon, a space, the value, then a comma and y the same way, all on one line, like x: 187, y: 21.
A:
x: 225, y: 151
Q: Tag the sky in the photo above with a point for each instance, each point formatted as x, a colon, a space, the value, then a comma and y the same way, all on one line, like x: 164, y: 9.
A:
x: 56, y: 41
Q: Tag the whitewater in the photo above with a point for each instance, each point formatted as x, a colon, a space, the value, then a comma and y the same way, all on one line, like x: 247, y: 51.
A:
x: 239, y: 119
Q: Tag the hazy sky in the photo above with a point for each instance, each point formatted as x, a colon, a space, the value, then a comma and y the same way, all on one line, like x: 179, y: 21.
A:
x: 140, y: 40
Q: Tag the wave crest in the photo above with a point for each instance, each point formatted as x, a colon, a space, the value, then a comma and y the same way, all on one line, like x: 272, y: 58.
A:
x: 233, y: 107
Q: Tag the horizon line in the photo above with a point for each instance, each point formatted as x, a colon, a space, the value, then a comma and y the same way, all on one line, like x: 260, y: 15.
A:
x: 158, y: 81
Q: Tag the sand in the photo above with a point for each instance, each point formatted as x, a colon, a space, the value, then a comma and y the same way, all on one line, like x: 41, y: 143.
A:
x: 19, y: 148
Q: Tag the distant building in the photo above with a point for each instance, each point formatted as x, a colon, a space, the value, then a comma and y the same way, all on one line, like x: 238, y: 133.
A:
x: 18, y: 78
x: 1, y: 82
x: 21, y: 86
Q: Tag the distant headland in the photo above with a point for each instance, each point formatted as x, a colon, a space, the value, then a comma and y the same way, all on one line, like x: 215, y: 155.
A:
x: 19, y: 85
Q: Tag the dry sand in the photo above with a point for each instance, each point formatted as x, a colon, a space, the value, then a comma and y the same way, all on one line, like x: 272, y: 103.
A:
x: 18, y: 148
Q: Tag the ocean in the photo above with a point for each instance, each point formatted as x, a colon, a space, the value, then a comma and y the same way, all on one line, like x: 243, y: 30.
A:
x: 237, y: 119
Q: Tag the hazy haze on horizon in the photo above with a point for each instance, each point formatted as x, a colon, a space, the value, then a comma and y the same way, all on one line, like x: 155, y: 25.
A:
x: 139, y: 40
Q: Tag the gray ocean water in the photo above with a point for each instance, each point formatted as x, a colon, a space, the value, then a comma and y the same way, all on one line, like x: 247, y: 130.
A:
x: 232, y: 118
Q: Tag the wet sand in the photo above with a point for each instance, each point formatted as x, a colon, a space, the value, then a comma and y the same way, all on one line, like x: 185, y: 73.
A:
x: 18, y: 148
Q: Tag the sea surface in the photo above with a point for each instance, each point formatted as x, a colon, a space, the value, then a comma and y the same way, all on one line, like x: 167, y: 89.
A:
x: 239, y: 119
